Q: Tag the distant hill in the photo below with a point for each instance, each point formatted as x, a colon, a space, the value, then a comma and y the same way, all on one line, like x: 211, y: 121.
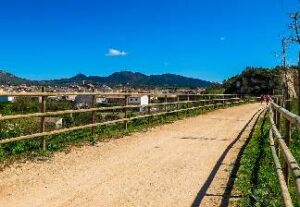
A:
x: 135, y: 79
x: 10, y: 79
x: 117, y: 78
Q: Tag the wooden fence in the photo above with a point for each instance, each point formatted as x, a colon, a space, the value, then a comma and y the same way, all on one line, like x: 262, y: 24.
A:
x: 280, y: 148
x: 189, y: 101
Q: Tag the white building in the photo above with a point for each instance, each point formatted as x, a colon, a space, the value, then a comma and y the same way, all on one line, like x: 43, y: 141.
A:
x: 138, y: 100
x: 4, y: 99
x: 70, y: 97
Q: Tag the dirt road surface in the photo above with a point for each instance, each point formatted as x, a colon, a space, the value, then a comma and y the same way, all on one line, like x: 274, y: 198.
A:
x: 167, y: 166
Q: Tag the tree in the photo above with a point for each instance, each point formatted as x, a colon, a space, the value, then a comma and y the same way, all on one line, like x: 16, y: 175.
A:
x: 254, y: 81
x: 295, y: 27
x: 284, y: 43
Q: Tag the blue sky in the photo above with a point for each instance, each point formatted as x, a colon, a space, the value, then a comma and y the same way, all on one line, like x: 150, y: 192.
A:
x: 212, y: 39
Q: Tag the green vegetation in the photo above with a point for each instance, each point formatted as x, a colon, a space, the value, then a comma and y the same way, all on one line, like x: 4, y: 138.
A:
x: 294, y: 146
x: 31, y: 148
x: 25, y: 105
x: 255, y: 81
x: 215, y: 89
x: 257, y: 181
x: 256, y: 178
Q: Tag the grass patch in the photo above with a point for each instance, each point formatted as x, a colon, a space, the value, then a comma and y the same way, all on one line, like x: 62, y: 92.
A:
x: 294, y: 147
x: 256, y: 178
x: 30, y: 149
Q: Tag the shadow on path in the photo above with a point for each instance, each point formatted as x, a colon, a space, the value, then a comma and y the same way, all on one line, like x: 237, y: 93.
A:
x: 233, y: 174
x: 200, y: 195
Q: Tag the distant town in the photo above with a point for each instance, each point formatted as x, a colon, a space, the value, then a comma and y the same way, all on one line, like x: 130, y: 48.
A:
x: 120, y: 82
x: 76, y: 88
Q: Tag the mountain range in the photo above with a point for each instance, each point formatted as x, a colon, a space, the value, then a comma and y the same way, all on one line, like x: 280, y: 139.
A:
x: 117, y: 78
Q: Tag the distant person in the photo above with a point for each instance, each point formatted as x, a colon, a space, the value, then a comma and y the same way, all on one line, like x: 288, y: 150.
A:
x: 268, y: 99
x: 262, y: 98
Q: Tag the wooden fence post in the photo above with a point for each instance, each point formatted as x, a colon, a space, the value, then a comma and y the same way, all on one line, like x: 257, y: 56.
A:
x: 187, y: 104
x: 287, y: 140
x: 275, y: 122
x: 278, y: 118
x: 166, y: 106
x: 212, y: 98
x: 149, y: 109
x: 93, y: 114
x: 178, y: 106
x: 43, y: 124
x: 125, y: 113
x: 275, y: 116
x: 166, y: 101
x: 200, y: 103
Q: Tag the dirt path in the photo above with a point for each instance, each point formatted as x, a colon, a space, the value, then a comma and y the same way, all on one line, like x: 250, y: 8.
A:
x: 166, y: 166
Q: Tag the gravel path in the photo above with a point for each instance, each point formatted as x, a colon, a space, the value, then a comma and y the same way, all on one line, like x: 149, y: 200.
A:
x: 166, y: 166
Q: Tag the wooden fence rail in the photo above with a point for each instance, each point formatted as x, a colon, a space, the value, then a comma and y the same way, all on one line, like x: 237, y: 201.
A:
x: 198, y: 101
x: 280, y: 146
x: 36, y: 94
x: 54, y: 113
x: 284, y: 188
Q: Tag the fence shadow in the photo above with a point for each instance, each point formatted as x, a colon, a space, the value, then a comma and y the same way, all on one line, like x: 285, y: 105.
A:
x: 202, y: 192
x: 229, y: 186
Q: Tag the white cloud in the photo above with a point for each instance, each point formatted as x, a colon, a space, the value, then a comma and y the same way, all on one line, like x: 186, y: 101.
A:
x: 114, y: 52
x: 222, y: 38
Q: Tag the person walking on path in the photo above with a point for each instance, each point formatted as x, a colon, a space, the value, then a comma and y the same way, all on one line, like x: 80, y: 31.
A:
x: 262, y: 98
x: 268, y: 99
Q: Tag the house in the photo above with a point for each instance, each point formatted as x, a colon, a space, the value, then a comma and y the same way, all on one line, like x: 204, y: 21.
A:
x: 138, y: 100
x: 5, y: 99
x: 69, y: 97
x: 115, y: 100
